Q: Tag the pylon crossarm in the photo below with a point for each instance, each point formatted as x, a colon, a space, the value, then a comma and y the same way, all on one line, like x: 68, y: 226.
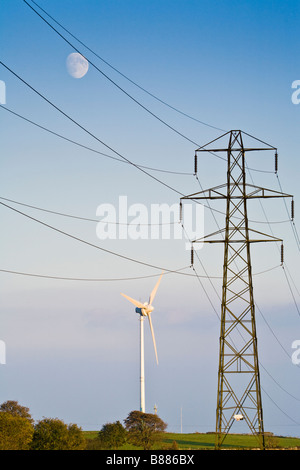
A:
x: 265, y: 193
x: 257, y: 192
x: 254, y: 240
x: 201, y: 149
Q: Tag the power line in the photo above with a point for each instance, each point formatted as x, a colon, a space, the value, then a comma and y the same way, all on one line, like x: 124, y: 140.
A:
x: 72, y: 216
x: 264, y: 212
x: 290, y: 288
x: 91, y: 244
x: 125, y: 92
x: 85, y: 218
x: 112, y: 81
x: 122, y: 74
x: 96, y: 138
x: 89, y: 148
x: 294, y: 229
x: 277, y: 406
x: 92, y: 135
x: 278, y: 384
x: 95, y: 220
x: 61, y: 278
x: 283, y: 348
x: 88, y: 132
x: 94, y: 246
x: 65, y: 278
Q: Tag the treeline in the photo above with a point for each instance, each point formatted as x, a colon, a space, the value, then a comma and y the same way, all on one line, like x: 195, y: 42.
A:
x: 19, y: 432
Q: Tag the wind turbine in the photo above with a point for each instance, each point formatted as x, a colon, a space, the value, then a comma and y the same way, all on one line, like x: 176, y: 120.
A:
x: 145, y: 310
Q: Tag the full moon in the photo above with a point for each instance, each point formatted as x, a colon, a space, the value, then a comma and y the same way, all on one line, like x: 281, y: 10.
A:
x: 77, y: 65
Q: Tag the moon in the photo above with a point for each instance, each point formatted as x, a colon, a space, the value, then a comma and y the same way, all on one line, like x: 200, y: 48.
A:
x: 77, y: 65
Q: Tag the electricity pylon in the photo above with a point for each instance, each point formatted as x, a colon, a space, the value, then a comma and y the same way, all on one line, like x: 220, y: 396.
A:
x: 239, y: 390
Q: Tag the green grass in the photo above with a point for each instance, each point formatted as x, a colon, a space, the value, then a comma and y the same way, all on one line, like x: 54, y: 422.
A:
x: 200, y: 441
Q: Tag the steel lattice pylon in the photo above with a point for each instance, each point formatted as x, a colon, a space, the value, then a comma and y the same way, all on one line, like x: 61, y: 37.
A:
x: 239, y: 390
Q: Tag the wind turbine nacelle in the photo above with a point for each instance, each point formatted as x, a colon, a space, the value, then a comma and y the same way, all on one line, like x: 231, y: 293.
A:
x: 140, y: 311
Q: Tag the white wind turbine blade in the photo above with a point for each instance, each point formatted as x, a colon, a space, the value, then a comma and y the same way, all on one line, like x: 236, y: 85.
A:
x: 153, y: 337
x: 133, y: 301
x: 153, y: 293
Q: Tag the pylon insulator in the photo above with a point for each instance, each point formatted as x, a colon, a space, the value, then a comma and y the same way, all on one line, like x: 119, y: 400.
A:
x: 276, y: 162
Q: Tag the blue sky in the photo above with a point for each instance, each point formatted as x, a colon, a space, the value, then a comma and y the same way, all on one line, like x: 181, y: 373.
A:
x: 72, y: 346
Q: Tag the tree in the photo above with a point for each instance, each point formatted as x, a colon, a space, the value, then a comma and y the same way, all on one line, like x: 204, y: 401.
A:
x: 15, y: 432
x: 112, y: 435
x: 16, y: 426
x: 76, y: 439
x: 54, y: 434
x: 144, y: 429
x: 12, y: 407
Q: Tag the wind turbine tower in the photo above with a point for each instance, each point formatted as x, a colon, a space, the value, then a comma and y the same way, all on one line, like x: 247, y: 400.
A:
x: 144, y: 310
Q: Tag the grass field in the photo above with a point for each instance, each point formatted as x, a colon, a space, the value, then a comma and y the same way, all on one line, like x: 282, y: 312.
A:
x: 199, y: 441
